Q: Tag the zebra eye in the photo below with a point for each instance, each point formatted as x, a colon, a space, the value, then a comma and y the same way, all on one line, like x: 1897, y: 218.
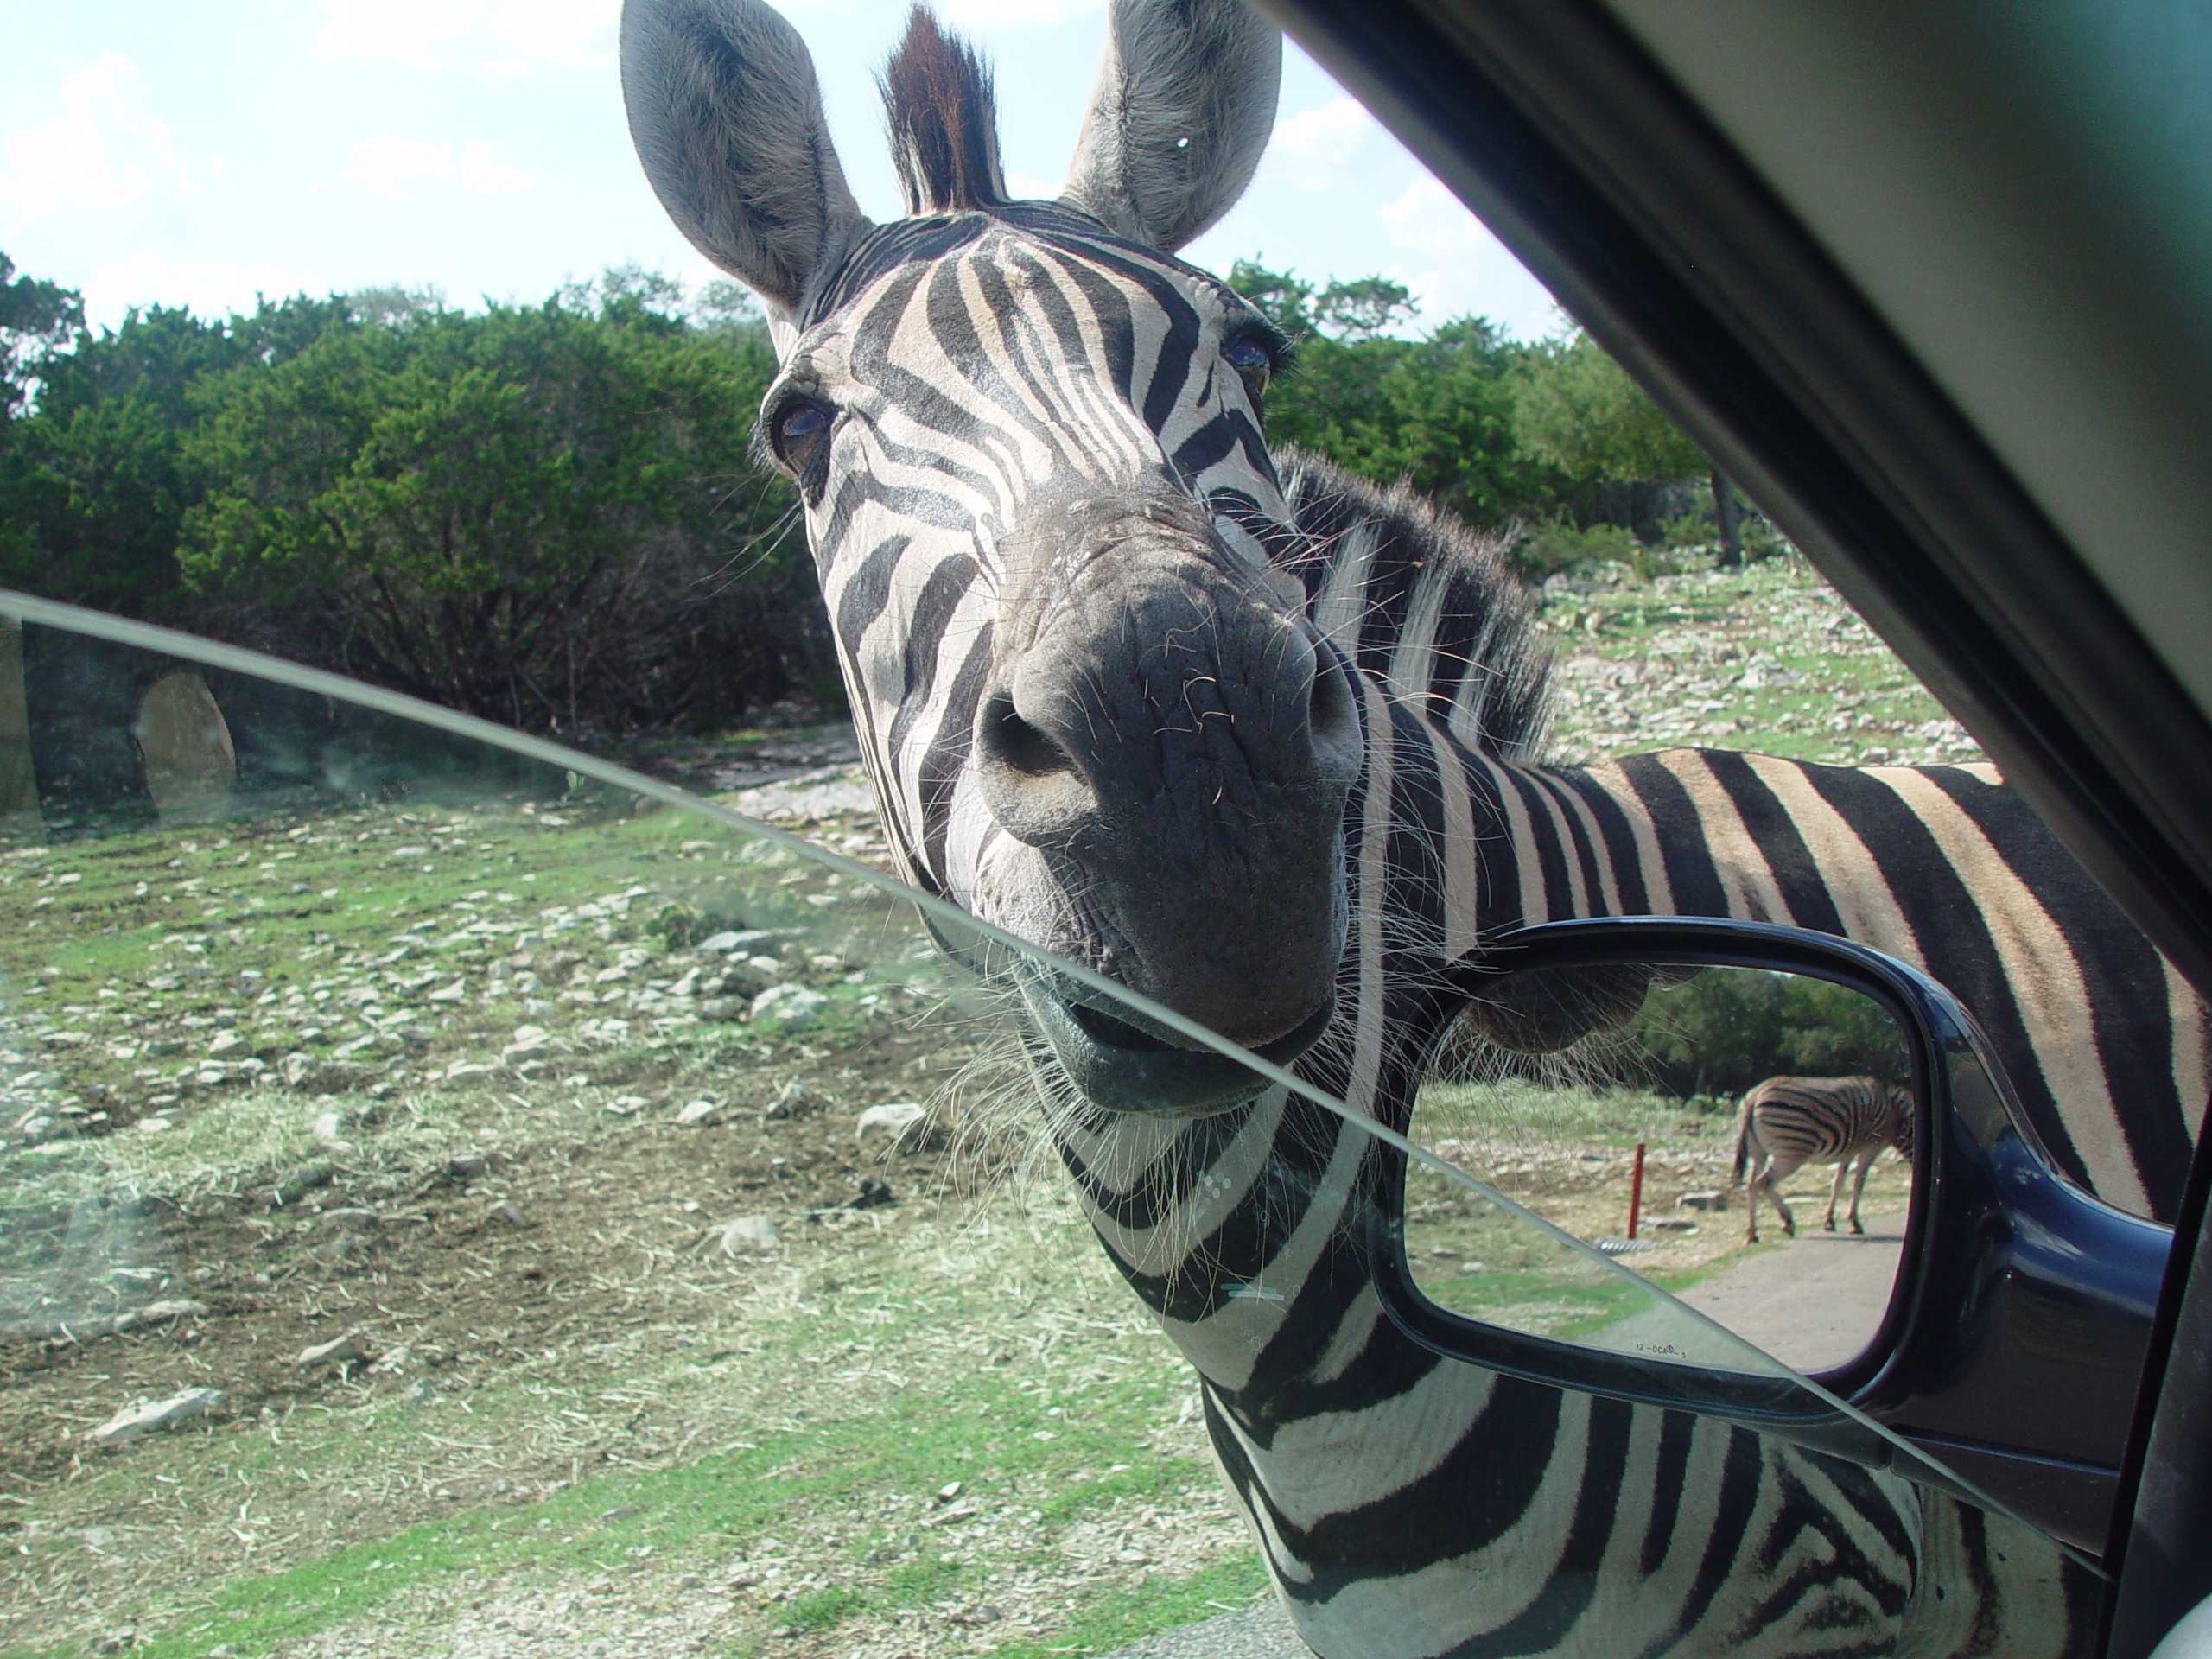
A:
x: 800, y: 429
x: 1251, y: 359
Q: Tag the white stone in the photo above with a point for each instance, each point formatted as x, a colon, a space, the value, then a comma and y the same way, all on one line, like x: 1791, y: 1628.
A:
x: 326, y: 1126
x: 340, y: 1352
x: 788, y: 1008
x: 129, y: 1425
x: 903, y: 1122
x: 748, y: 1233
x: 700, y: 1112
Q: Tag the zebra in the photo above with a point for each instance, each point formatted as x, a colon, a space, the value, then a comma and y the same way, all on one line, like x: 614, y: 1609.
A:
x: 1794, y: 1120
x: 1263, y: 743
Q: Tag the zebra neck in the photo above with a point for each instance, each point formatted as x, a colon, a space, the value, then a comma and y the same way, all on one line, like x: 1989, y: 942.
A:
x: 1244, y: 1234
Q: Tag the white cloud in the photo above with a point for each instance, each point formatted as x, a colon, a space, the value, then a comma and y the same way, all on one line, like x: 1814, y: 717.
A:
x: 399, y: 169
x: 1430, y: 220
x: 492, y: 38
x: 1313, y: 147
x: 1473, y: 273
x: 211, y: 288
x: 1024, y: 186
x: 107, y: 153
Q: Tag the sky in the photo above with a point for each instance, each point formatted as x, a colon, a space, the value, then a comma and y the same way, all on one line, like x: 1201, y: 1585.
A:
x: 152, y: 153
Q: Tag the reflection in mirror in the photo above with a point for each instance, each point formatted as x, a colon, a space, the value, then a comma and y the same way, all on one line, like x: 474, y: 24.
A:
x: 1717, y: 1141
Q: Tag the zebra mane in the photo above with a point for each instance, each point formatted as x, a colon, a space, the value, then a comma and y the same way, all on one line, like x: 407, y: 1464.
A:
x: 943, y: 120
x: 1414, y: 597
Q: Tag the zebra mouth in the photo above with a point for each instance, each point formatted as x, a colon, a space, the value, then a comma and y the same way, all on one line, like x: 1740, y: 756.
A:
x: 1124, y: 1062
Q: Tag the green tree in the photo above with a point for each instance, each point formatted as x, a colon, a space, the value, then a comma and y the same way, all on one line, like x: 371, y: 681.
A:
x: 35, y: 318
x: 1729, y: 1028
x: 531, y: 513
x: 98, y: 492
x: 1577, y: 408
x: 1436, y: 412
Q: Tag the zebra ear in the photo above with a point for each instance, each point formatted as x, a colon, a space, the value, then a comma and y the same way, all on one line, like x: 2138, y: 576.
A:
x: 1185, y: 102
x: 727, y: 116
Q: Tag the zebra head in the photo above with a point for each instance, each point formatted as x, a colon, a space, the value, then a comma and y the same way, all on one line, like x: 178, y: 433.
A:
x: 1053, y: 546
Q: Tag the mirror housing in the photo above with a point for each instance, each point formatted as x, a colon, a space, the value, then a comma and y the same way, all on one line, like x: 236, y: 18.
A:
x: 2016, y: 1335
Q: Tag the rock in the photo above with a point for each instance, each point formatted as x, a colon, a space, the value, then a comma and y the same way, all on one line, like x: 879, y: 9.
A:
x: 352, y: 1217
x: 456, y: 992
x: 749, y: 1235
x: 1671, y: 1224
x: 468, y: 1167
x: 526, y: 1039
x: 304, y: 1180
x: 109, y: 1325
x: 1702, y: 1201
x: 790, y: 1101
x: 326, y: 1126
x: 732, y: 944
x: 904, y: 1123
x: 295, y: 1068
x: 701, y: 1112
x: 625, y: 1105
x: 873, y: 1195
x: 344, y: 1351
x: 505, y: 1210
x: 191, y: 765
x: 788, y: 1008
x: 129, y: 1424
x: 947, y: 1492
x: 225, y: 1042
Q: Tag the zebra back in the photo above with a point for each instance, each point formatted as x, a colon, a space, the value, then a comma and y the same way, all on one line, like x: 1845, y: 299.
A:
x: 1822, y: 1120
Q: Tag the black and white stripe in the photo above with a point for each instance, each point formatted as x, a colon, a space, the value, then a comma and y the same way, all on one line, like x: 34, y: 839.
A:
x: 1786, y: 1122
x: 986, y: 372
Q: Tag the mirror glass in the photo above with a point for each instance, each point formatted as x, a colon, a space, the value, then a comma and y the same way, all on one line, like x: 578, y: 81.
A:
x: 1715, y: 1141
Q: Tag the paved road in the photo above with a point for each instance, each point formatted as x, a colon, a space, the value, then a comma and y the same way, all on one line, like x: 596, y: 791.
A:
x: 1813, y: 1304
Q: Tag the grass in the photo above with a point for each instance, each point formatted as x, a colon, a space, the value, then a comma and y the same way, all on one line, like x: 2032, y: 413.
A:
x: 715, y: 1507
x: 1765, y: 657
x: 1064, y: 1438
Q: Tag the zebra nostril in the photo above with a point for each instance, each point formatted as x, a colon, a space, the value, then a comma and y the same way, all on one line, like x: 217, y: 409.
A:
x: 1012, y: 742
x: 1332, y: 717
x: 1034, y: 787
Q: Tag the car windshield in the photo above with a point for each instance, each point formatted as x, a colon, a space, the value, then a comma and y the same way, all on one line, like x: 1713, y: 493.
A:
x: 452, y: 1182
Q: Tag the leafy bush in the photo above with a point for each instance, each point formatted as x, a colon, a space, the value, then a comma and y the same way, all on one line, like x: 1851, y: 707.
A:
x: 548, y: 515
x: 1727, y: 1029
x: 1556, y: 546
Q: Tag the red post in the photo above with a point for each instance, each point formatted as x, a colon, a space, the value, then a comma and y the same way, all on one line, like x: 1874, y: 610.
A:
x: 1635, y: 1189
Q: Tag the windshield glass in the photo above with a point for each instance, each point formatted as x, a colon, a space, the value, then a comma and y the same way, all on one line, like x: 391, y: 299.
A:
x: 454, y: 1185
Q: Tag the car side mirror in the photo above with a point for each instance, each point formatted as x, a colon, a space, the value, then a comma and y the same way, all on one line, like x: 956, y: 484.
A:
x: 1990, y: 1312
